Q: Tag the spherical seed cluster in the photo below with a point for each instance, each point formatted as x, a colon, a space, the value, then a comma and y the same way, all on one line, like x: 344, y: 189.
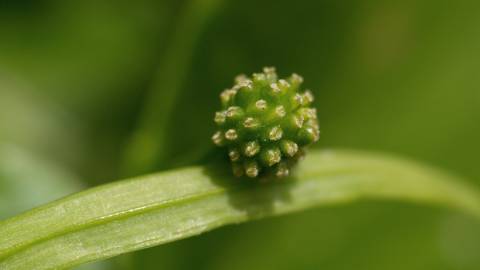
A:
x: 265, y: 123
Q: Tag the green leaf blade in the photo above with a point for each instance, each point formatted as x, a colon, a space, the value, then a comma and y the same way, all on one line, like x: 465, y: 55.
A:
x: 151, y: 210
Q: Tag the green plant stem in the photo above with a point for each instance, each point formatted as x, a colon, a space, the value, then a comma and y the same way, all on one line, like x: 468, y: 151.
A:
x: 149, y: 144
x: 146, y: 211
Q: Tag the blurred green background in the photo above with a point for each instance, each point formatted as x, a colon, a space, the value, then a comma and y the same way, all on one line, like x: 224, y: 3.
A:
x: 95, y: 91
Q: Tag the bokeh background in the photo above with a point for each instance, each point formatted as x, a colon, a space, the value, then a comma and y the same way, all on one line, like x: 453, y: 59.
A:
x: 95, y: 91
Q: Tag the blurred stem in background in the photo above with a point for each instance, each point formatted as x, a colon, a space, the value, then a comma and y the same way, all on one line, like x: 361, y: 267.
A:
x: 394, y: 76
x: 149, y: 146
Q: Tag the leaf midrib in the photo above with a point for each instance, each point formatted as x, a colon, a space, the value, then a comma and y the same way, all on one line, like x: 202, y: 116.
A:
x: 151, y: 207
x: 114, y: 216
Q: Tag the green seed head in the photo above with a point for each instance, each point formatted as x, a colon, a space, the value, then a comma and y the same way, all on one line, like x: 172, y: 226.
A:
x: 265, y: 124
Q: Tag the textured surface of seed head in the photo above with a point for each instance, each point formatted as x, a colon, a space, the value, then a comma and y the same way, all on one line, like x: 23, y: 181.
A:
x: 217, y: 138
x: 227, y: 96
x: 234, y: 111
x: 275, y: 88
x: 297, y: 79
x: 240, y: 78
x: 259, y: 77
x: 245, y: 84
x: 265, y: 123
x: 231, y: 134
x: 308, y: 97
x: 298, y: 120
x: 251, y: 122
x: 308, y: 113
x: 283, y: 83
x: 280, y: 111
x: 252, y: 169
x: 275, y: 133
x: 261, y: 104
x: 298, y: 99
x: 289, y: 148
x: 269, y: 70
x: 252, y: 148
x: 308, y: 135
x: 271, y: 157
x: 234, y: 155
x: 282, y: 170
x: 220, y: 118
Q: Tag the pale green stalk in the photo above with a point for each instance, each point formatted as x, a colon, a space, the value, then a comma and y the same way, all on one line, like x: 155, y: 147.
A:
x: 149, y: 143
